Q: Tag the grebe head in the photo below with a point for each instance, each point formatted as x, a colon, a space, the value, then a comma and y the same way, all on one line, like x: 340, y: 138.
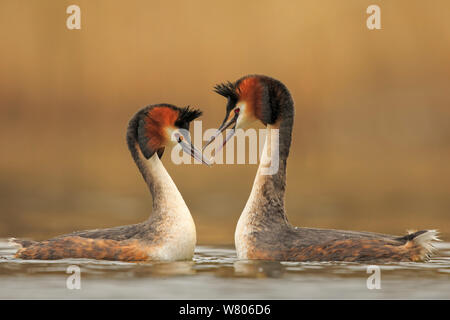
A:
x: 250, y: 99
x: 163, y: 125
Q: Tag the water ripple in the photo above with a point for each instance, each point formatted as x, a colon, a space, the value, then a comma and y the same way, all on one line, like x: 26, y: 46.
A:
x: 215, y: 272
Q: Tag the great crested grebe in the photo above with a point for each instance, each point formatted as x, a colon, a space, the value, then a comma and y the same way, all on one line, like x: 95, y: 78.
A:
x: 169, y: 233
x: 263, y: 231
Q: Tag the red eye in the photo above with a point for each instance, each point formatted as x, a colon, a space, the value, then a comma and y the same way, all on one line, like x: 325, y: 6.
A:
x: 178, y: 137
x: 236, y: 110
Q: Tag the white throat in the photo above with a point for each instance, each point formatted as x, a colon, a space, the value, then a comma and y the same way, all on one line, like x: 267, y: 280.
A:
x: 167, y: 199
x: 267, y: 165
x: 168, y: 204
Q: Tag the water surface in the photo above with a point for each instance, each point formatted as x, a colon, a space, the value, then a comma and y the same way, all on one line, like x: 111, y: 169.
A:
x: 215, y: 273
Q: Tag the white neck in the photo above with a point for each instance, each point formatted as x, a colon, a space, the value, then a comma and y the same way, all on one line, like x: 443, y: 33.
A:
x: 268, y: 166
x: 171, y: 212
x: 167, y: 200
x: 264, y: 185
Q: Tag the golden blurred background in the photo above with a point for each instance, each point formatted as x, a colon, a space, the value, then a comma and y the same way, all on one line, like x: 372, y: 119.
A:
x: 371, y: 142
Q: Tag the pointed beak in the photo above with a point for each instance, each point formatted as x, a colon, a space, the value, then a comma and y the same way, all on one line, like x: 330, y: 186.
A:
x: 187, y: 146
x: 222, y: 128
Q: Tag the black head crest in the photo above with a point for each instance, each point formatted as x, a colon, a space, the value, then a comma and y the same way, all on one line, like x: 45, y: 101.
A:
x: 187, y: 115
x: 227, y: 90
